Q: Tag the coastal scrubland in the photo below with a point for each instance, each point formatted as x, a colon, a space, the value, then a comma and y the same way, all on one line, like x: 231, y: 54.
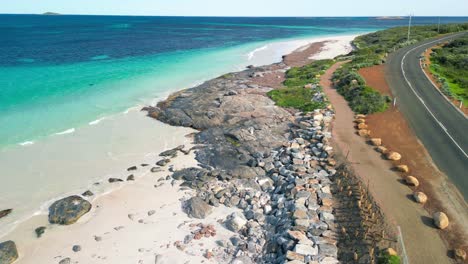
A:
x: 449, y: 65
x: 298, y: 92
x: 373, y: 49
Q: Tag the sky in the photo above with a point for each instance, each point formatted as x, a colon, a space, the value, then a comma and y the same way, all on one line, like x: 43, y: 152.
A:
x: 240, y: 7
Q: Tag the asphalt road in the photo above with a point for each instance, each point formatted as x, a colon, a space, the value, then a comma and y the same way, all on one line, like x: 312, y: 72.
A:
x: 441, y: 128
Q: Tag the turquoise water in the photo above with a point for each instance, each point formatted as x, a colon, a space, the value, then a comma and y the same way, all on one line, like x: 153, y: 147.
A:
x: 57, y: 98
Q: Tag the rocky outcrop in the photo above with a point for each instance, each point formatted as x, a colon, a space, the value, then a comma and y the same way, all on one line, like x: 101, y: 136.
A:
x: 273, y: 164
x: 197, y: 208
x: 8, y: 252
x: 441, y: 220
x: 4, y: 213
x: 68, y: 210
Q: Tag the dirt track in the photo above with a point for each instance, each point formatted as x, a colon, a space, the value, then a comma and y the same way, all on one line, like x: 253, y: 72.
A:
x: 423, y: 244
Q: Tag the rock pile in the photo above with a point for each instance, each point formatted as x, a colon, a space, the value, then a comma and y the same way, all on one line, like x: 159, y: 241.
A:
x: 287, y: 213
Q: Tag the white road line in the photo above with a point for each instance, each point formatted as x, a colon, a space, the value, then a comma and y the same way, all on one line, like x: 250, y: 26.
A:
x: 420, y: 99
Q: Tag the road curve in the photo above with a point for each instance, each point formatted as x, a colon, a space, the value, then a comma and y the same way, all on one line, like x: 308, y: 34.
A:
x: 441, y: 128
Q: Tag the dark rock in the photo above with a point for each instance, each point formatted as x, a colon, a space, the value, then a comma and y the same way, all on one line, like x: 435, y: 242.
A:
x: 8, y: 252
x: 65, y: 261
x: 87, y: 193
x: 68, y: 210
x: 131, y: 177
x: 156, y: 169
x: 197, y: 208
x: 144, y: 164
x: 76, y: 248
x: 40, y: 231
x: 163, y: 162
x: 112, y: 180
x: 6, y: 212
x: 171, y: 152
x: 132, y: 168
x: 189, y: 174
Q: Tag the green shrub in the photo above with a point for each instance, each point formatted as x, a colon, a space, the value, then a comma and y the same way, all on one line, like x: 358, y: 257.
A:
x: 387, y: 259
x: 294, y: 94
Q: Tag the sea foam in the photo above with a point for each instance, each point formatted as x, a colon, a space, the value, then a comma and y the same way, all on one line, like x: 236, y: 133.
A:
x: 26, y: 143
x: 252, y: 53
x: 68, y: 131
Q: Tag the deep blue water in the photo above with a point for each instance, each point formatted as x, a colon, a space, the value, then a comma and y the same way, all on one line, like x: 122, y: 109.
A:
x: 61, y: 72
x: 69, y: 39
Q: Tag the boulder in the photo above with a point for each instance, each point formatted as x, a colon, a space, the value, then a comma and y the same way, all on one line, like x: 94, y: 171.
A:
x: 360, y: 120
x: 392, y: 155
x: 420, y: 197
x: 306, y: 250
x: 68, y: 210
x: 381, y: 149
x: 460, y: 254
x: 65, y: 261
x: 440, y: 220
x: 291, y: 255
x: 40, y: 231
x: 8, y: 252
x: 6, y: 212
x: 376, y: 141
x: 88, y: 193
x: 235, y: 222
x: 412, y: 181
x: 390, y: 252
x: 363, y: 132
x: 197, y: 208
x: 360, y: 116
x: 362, y: 126
x: 402, y: 168
x: 112, y: 180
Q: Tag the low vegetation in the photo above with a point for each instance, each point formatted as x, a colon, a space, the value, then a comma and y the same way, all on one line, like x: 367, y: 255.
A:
x: 295, y: 94
x: 387, y: 259
x: 372, y: 49
x: 449, y: 64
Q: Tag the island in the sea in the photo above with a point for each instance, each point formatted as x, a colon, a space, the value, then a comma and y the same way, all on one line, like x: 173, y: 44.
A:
x: 50, y: 14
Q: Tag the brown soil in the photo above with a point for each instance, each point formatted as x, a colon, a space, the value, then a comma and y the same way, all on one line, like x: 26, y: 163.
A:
x: 422, y: 242
x: 301, y: 56
x: 396, y: 135
x: 427, y: 56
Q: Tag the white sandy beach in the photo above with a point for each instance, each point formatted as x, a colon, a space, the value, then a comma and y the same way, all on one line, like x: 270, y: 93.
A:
x: 140, y: 238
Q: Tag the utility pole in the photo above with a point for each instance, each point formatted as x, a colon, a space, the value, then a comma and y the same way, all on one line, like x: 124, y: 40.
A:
x: 438, y: 27
x: 409, y: 27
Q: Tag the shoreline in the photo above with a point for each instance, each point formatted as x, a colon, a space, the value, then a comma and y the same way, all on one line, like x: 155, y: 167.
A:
x: 10, y: 235
x: 276, y: 49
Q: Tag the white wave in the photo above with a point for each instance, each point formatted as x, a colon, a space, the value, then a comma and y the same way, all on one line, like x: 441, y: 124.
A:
x: 134, y: 108
x: 252, y: 53
x: 26, y: 143
x: 97, y: 121
x: 68, y: 131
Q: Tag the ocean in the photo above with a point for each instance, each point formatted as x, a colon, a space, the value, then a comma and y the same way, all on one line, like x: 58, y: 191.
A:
x: 71, y: 88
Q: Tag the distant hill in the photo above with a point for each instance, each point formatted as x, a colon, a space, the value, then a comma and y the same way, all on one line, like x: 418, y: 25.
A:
x: 51, y: 14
